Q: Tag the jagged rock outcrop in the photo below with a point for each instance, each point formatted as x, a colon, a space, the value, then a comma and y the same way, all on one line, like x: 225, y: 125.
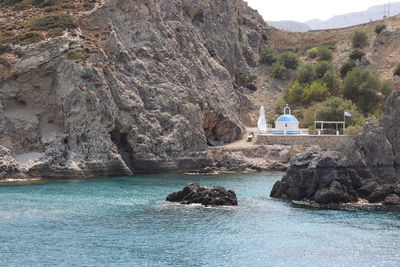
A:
x: 161, y: 81
x: 8, y: 166
x: 194, y: 194
x: 365, y: 168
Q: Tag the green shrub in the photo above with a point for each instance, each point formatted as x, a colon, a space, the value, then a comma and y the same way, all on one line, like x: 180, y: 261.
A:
x: 264, y: 35
x: 289, y: 59
x: 379, y: 28
x: 354, y: 130
x: 312, y: 53
x: 67, y: 5
x: 246, y: 80
x: 28, y: 38
x: 360, y: 39
x: 347, y: 66
x: 332, y: 109
x: 293, y: 94
x: 51, y: 21
x: 279, y: 71
x: 50, y: 9
x: 22, y: 38
x: 75, y: 55
x: 324, y: 53
x: 331, y: 47
x: 317, y: 91
x: 332, y: 81
x: 278, y: 108
x: 21, y: 6
x: 357, y: 54
x: 268, y: 56
x: 45, y: 3
x: 9, y: 2
x: 321, y: 68
x: 387, y: 88
x: 158, y: 56
x: 361, y: 86
x: 55, y: 32
x: 397, y: 71
x: 306, y: 74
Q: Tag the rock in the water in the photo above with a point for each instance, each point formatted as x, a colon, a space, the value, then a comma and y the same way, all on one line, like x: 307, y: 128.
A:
x: 365, y: 167
x: 392, y: 199
x: 194, y: 194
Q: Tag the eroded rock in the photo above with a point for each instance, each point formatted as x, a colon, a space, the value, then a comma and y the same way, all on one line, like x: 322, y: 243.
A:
x: 156, y: 87
x: 194, y: 194
x: 9, y: 167
x: 366, y: 167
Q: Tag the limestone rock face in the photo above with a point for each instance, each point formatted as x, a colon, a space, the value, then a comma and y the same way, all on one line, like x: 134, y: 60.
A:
x: 366, y: 167
x: 9, y: 168
x: 159, y: 86
x: 194, y: 194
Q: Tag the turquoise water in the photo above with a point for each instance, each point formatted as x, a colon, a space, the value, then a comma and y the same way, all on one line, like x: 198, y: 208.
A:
x: 125, y: 222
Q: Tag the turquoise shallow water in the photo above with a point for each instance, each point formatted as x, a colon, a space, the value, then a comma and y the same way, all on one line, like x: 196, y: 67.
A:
x: 125, y: 222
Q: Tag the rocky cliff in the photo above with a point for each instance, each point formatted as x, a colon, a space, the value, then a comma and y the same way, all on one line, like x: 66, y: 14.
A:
x: 155, y: 83
x: 364, y: 168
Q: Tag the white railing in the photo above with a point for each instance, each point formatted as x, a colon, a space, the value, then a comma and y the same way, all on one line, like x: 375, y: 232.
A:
x: 303, y: 132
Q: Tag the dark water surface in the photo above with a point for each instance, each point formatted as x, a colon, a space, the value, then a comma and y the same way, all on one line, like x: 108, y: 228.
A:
x: 125, y: 222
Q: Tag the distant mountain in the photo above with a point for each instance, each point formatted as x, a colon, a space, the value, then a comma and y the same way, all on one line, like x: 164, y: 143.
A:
x: 351, y: 19
x: 289, y: 25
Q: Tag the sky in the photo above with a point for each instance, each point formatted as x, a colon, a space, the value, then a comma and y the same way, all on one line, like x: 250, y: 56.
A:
x: 304, y: 10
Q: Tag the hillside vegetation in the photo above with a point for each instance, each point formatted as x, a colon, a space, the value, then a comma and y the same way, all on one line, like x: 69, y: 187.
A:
x: 335, y: 78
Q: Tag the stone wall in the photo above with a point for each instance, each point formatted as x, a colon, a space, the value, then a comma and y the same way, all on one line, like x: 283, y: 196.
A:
x: 325, y: 142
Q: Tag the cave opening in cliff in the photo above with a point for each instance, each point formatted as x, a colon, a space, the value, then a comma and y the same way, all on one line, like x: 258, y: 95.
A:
x: 219, y: 130
x: 124, y: 148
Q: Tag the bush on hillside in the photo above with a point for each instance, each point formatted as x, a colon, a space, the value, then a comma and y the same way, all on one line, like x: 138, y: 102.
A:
x: 321, y: 68
x: 312, y: 53
x: 268, y: 56
x: 324, y: 53
x: 332, y: 109
x: 279, y: 71
x: 347, y: 66
x: 397, y: 71
x: 332, y: 81
x: 306, y: 74
x: 55, y: 32
x: 362, y: 86
x: 357, y: 54
x: 75, y: 55
x: 360, y: 39
x: 293, y: 95
x: 9, y: 2
x: 289, y: 59
x: 22, y: 38
x: 246, y: 80
x: 51, y: 21
x: 316, y: 91
x: 379, y: 28
x: 387, y: 88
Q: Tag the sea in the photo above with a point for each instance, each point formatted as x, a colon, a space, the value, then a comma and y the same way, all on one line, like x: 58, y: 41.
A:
x: 125, y: 221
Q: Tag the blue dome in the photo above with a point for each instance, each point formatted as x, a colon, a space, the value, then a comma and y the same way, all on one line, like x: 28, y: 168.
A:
x: 287, y: 118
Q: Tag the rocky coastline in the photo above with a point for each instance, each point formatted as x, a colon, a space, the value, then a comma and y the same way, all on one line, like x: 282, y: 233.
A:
x: 157, y: 82
x: 365, y: 168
